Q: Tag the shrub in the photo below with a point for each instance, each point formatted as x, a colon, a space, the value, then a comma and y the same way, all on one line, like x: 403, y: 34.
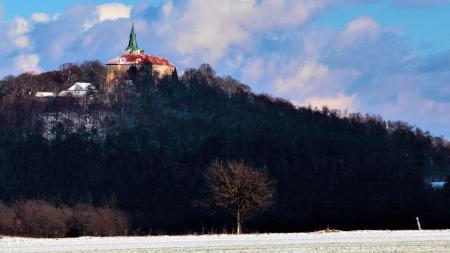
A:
x: 41, y: 219
x: 7, y: 219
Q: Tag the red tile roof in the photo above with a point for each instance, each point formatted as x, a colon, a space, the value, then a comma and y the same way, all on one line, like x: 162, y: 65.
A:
x: 127, y: 59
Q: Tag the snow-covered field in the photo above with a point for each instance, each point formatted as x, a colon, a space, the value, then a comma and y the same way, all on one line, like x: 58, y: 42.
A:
x: 357, y: 241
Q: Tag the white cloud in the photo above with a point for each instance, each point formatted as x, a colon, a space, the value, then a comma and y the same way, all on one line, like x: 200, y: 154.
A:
x: 167, y: 9
x: 417, y: 107
x: 426, y: 113
x: 253, y: 70
x: 341, y: 102
x: 18, y: 32
x: 40, y: 17
x: 209, y: 29
x: 317, y: 85
x: 234, y: 61
x: 283, y: 14
x: 113, y: 11
x: 304, y: 80
x: 108, y: 12
x: 21, y: 41
x: 27, y: 63
x: 362, y: 27
x: 21, y: 25
x: 306, y: 76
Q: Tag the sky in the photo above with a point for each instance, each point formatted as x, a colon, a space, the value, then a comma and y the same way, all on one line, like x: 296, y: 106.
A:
x: 380, y: 57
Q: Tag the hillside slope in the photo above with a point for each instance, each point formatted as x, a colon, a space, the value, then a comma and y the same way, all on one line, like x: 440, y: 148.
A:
x: 151, y: 147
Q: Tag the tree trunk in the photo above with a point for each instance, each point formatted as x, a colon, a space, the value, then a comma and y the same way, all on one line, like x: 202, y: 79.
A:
x: 238, y: 222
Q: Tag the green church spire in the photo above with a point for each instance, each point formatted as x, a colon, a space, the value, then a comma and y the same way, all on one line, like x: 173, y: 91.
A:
x: 132, y: 44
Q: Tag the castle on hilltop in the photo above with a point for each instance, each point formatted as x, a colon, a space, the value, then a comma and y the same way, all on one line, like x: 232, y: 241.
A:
x: 134, y: 56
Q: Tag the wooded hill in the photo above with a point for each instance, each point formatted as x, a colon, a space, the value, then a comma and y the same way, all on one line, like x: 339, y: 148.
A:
x: 149, y: 152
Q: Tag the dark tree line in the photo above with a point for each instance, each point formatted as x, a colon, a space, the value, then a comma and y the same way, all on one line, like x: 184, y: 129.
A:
x: 152, y: 150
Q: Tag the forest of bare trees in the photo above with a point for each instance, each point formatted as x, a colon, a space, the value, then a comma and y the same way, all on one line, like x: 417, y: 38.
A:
x: 146, y: 151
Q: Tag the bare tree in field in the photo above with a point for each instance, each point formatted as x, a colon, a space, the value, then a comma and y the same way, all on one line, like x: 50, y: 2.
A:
x: 240, y: 189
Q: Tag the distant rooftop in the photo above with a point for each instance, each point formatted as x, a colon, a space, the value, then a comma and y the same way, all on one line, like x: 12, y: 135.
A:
x: 129, y: 59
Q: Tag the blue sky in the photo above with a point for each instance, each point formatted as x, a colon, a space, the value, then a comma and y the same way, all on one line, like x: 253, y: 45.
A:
x: 26, y: 8
x: 390, y: 58
x: 426, y: 25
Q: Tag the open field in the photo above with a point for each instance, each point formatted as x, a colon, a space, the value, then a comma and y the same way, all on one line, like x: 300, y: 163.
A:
x: 356, y: 241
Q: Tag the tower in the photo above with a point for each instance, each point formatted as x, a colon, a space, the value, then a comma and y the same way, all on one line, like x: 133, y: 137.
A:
x: 132, y: 44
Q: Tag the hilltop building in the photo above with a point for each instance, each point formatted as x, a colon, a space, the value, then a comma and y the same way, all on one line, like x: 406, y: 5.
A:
x: 134, y: 56
x: 79, y: 90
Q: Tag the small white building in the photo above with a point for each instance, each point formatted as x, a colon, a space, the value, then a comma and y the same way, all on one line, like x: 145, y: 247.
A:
x: 45, y: 94
x: 78, y: 90
x: 438, y: 185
